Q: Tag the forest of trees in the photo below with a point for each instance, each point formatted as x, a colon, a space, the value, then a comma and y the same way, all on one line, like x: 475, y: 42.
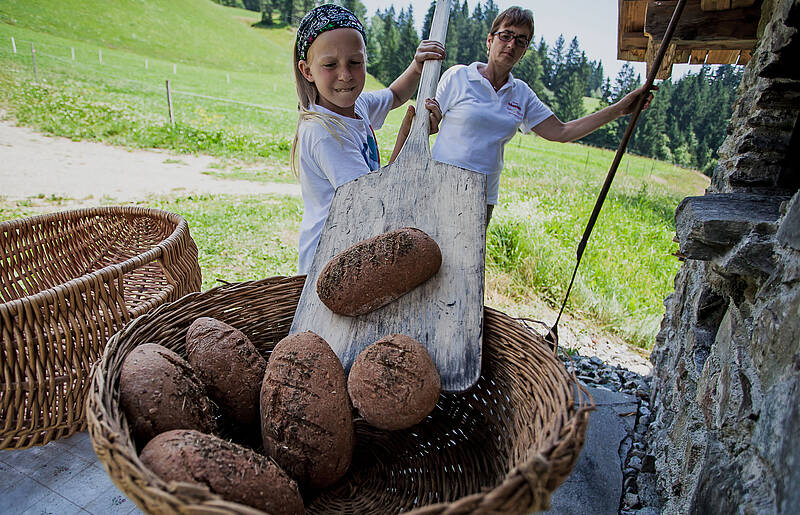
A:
x: 685, y: 124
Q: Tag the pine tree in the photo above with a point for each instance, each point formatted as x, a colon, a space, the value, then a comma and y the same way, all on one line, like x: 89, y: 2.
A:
x: 266, y: 12
x: 357, y: 8
x: 428, y: 20
x: 490, y: 12
x: 555, y: 62
x: 389, y: 67
x: 569, y: 100
x: 374, y: 31
x: 408, y: 40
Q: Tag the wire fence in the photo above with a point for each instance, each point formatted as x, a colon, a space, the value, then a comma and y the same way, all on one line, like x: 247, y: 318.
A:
x: 30, y: 54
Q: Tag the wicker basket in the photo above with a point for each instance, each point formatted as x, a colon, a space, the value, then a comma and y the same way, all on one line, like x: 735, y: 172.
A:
x: 502, y: 447
x: 68, y: 281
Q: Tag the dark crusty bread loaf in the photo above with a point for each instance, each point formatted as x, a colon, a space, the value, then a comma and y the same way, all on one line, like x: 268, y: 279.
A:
x: 393, y: 383
x: 229, y: 365
x: 233, y: 472
x: 306, y: 416
x: 378, y: 270
x: 159, y: 391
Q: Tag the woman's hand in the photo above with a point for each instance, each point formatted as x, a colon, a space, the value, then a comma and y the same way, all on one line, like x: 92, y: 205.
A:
x: 427, y: 50
x: 434, y: 115
x: 627, y: 104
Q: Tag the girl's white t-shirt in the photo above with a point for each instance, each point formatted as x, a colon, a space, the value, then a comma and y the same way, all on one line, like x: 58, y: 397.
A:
x: 478, y: 121
x: 326, y: 162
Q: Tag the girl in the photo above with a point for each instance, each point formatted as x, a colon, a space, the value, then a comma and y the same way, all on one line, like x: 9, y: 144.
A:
x: 335, y: 141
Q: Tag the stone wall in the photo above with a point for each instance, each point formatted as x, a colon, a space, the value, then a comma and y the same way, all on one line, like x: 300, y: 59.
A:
x: 726, y: 386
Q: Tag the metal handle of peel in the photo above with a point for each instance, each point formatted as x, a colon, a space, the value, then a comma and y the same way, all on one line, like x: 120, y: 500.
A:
x: 552, y: 336
x: 417, y: 141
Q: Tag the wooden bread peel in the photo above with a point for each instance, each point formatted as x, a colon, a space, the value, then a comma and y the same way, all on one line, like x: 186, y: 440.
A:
x: 445, y: 313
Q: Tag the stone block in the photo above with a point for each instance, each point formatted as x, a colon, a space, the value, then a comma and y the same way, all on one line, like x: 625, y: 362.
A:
x: 789, y: 231
x: 710, y: 226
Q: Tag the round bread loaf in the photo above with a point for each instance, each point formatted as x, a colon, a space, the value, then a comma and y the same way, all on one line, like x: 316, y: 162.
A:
x: 229, y: 365
x: 159, y: 391
x: 233, y: 472
x: 306, y: 416
x: 377, y: 271
x: 393, y: 383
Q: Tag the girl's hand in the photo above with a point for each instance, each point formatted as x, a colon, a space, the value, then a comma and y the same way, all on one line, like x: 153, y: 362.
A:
x: 427, y: 50
x: 627, y: 104
x: 435, y: 116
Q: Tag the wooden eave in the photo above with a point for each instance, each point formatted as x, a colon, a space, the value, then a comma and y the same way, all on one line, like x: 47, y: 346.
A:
x: 708, y: 32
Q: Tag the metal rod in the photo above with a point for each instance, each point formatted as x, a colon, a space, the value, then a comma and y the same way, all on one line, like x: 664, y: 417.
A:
x: 623, y: 144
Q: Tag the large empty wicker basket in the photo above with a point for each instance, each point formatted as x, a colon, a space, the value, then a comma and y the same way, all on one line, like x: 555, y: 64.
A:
x: 68, y: 281
x: 502, y: 447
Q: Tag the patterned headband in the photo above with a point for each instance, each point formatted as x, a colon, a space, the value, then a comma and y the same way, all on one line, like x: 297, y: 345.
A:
x: 323, y: 18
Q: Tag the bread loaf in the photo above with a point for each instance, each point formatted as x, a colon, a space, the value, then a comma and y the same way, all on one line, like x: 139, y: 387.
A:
x: 229, y: 365
x: 159, y: 391
x: 306, y: 416
x: 235, y: 473
x: 377, y: 271
x: 393, y: 383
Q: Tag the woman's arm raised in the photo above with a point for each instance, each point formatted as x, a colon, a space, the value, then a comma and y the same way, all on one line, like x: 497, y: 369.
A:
x: 554, y: 129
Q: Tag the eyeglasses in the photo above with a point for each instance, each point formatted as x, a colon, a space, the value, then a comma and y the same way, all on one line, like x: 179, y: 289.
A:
x: 506, y: 35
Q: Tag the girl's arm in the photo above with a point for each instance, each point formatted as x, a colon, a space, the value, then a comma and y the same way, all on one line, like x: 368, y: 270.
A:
x: 554, y: 129
x: 406, y: 84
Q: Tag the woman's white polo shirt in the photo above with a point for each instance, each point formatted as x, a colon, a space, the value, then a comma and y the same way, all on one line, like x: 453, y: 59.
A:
x: 478, y: 121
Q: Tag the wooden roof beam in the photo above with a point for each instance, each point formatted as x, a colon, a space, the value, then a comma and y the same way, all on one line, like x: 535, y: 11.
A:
x: 697, y: 28
x: 665, y: 71
x: 721, y: 5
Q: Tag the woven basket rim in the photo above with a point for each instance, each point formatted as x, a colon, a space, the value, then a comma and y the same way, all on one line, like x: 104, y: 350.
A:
x: 108, y: 271
x: 101, y: 426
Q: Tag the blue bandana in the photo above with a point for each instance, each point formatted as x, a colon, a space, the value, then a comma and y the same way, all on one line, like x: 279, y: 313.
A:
x: 323, y: 18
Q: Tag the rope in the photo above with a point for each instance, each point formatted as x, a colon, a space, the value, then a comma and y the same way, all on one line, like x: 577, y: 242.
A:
x: 552, y: 335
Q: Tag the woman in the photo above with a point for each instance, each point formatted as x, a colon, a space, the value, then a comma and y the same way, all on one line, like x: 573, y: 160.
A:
x: 483, y: 105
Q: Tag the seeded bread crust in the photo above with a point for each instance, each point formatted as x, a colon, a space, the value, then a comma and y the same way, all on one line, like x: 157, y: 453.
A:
x: 306, y: 415
x: 393, y: 383
x: 234, y: 472
x: 377, y: 271
x: 229, y: 365
x: 160, y: 391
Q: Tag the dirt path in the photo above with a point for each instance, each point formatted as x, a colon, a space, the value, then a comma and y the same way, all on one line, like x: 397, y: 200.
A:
x: 32, y: 164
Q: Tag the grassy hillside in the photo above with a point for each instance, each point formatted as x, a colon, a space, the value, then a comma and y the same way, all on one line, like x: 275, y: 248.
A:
x: 197, y: 32
x: 233, y: 97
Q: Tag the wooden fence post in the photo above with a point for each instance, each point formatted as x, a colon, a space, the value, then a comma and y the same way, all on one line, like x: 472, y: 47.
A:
x: 169, y: 104
x: 73, y: 53
x: 100, y: 54
x: 13, y: 44
x: 33, y: 55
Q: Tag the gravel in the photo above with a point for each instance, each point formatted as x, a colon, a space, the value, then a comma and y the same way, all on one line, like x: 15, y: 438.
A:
x: 638, y: 466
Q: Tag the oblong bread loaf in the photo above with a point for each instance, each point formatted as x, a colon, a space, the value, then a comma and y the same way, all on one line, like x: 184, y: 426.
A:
x: 160, y: 391
x: 306, y: 415
x: 229, y: 365
x: 377, y: 271
x: 234, y: 472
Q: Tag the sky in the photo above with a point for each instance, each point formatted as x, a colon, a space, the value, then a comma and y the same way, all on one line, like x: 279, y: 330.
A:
x: 594, y: 22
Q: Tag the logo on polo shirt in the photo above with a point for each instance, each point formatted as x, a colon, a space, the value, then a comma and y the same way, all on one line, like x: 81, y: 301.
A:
x: 514, y: 110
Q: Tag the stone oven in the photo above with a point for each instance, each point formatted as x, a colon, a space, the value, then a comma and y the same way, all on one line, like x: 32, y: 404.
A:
x: 726, y: 386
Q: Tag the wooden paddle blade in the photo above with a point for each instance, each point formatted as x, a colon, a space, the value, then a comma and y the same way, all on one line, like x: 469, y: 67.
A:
x: 445, y: 313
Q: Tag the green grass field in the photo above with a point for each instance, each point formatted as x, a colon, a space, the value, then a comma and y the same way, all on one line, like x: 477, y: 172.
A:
x: 206, y: 50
